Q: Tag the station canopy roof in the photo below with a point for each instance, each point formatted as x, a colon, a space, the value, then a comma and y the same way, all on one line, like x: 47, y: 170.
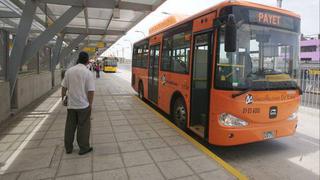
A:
x: 102, y: 20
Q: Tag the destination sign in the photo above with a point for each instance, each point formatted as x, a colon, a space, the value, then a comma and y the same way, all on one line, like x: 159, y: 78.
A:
x: 267, y: 18
x: 271, y: 19
x: 262, y: 17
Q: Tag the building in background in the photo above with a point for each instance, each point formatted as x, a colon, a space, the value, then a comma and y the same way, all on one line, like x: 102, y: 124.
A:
x: 310, y: 51
x: 310, y: 70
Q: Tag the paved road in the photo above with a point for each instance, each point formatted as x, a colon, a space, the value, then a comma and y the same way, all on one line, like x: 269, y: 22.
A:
x: 311, y: 100
x: 295, y: 157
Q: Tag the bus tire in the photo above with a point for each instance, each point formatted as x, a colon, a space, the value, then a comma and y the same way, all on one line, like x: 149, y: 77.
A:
x: 179, y: 113
x: 140, y: 91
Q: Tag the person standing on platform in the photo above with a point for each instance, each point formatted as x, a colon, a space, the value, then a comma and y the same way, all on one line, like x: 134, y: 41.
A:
x: 80, y: 84
x: 97, y: 70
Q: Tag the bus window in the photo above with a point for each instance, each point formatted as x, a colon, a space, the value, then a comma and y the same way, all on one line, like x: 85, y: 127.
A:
x: 144, y: 55
x: 134, y: 56
x: 176, y: 50
x: 166, y: 54
x: 181, y: 50
x: 263, y: 53
x: 140, y: 55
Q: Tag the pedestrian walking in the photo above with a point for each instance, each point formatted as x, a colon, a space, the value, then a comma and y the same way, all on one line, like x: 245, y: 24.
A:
x: 91, y: 67
x: 79, y: 84
x: 97, y: 70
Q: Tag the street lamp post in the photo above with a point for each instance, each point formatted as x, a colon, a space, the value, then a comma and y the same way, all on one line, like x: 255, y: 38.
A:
x: 144, y: 35
x: 129, y: 42
x: 279, y: 3
x: 123, y: 49
x: 117, y: 53
x: 131, y: 46
x: 117, y: 49
x: 166, y: 13
x: 122, y: 54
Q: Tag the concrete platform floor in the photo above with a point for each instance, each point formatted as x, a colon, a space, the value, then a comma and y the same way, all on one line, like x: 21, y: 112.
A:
x: 276, y: 159
x: 129, y: 141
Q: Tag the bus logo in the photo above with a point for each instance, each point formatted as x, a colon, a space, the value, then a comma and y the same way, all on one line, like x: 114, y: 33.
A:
x: 249, y: 99
x: 163, y: 79
x: 273, y: 112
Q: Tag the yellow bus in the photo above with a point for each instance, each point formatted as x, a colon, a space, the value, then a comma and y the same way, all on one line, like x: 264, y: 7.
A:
x: 110, y: 64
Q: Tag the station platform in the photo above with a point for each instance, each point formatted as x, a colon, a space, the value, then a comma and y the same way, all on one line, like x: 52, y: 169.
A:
x: 129, y: 140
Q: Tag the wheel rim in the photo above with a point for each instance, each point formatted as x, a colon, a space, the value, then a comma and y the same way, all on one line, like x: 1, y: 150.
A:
x: 180, y: 115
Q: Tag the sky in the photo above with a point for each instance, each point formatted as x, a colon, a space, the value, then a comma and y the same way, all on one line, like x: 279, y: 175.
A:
x: 307, y: 9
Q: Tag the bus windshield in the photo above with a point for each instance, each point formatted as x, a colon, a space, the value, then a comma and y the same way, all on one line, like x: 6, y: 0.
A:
x: 110, y: 62
x: 266, y: 58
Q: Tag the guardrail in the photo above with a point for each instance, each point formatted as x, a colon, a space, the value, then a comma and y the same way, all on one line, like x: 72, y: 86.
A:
x: 310, y: 86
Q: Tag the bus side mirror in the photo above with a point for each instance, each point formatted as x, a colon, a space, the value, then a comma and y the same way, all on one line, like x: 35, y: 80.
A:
x: 230, y: 38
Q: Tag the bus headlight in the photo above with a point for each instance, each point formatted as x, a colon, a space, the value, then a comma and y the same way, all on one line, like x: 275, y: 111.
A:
x: 293, y: 116
x: 231, y: 121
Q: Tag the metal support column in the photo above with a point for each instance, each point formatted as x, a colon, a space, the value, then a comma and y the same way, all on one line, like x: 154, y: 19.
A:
x: 74, y: 56
x: 57, y: 49
x: 49, y: 33
x: 55, y: 56
x: 72, y: 59
x: 20, y: 41
x: 4, y: 54
x: 72, y: 45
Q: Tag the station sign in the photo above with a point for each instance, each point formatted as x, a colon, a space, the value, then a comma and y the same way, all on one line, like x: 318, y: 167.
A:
x: 101, y: 44
x: 314, y: 71
x: 89, y: 49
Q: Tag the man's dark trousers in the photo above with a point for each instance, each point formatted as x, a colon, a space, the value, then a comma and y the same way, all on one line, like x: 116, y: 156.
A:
x: 77, y: 119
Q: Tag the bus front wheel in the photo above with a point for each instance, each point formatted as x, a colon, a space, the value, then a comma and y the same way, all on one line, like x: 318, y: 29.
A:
x: 180, y: 113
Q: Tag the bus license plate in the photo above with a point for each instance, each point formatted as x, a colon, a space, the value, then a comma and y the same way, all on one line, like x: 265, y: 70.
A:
x: 268, y: 135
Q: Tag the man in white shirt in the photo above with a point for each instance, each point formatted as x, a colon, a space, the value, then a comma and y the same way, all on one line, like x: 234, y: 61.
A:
x: 79, y: 82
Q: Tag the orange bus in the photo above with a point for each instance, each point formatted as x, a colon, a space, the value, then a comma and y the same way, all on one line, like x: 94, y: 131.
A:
x: 227, y: 73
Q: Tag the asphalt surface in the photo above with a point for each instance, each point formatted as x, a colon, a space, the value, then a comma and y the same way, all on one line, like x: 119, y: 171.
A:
x: 294, y: 157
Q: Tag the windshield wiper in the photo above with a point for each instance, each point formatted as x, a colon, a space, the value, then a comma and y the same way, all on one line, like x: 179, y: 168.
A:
x: 241, y: 92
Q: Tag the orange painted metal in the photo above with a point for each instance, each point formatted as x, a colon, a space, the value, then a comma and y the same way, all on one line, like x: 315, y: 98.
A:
x: 256, y: 114
x: 204, y: 22
x: 155, y: 39
x: 173, y: 19
x: 141, y: 74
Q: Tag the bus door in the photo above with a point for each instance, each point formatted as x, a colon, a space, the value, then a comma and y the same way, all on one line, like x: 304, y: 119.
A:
x: 201, y: 78
x: 153, y: 74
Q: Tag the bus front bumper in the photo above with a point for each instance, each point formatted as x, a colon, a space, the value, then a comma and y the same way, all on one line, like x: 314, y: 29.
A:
x: 110, y: 69
x: 224, y: 136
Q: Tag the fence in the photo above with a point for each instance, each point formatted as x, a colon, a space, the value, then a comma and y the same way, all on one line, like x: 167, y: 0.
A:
x: 310, y: 86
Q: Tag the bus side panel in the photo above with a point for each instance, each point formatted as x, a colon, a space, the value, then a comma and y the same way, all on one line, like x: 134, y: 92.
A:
x: 168, y: 84
x: 141, y: 74
x: 134, y: 75
x: 204, y: 22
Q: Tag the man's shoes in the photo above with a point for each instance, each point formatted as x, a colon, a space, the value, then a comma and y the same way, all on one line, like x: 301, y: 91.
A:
x: 69, y: 152
x: 85, y: 152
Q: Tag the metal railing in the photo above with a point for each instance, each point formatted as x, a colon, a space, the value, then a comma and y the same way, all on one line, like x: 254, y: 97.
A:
x: 310, y: 86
